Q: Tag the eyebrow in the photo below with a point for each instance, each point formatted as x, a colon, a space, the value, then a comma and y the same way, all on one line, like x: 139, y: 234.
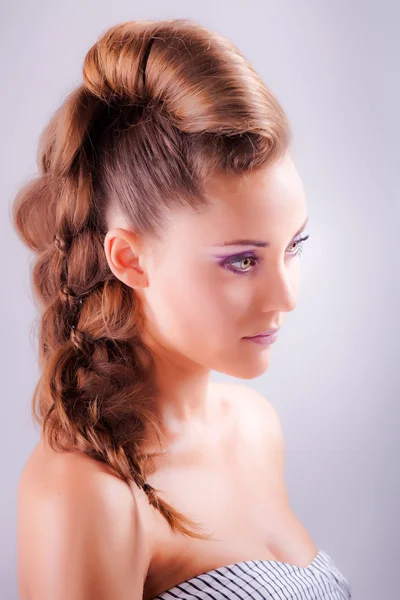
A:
x: 258, y: 243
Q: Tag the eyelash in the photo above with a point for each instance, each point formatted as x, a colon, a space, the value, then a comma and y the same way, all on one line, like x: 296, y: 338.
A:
x: 299, y: 245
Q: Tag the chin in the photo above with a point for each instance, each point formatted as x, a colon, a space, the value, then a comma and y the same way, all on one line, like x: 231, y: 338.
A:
x: 250, y: 368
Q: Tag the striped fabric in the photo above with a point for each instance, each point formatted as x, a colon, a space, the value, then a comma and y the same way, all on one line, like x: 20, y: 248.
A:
x: 266, y: 579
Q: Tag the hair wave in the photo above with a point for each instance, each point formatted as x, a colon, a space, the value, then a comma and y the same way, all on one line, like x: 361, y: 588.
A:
x: 163, y: 105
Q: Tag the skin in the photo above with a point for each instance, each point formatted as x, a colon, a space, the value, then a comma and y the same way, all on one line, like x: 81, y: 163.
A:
x: 225, y: 461
x: 197, y: 312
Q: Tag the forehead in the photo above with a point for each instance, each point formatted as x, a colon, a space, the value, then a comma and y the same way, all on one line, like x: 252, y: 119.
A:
x: 274, y: 187
x: 268, y: 199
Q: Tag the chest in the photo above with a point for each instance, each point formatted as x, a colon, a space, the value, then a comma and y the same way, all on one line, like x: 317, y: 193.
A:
x: 232, y: 489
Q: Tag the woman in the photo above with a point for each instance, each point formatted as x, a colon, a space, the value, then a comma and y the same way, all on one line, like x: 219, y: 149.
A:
x: 168, y: 219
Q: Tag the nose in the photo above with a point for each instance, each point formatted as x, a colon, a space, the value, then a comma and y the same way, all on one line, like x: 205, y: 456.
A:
x: 280, y: 291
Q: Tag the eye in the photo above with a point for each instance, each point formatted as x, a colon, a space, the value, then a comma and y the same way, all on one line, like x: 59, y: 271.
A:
x: 248, y: 257
x: 241, y: 258
x: 299, y: 246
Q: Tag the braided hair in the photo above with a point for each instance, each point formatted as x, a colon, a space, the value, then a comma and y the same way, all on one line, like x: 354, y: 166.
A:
x: 163, y: 105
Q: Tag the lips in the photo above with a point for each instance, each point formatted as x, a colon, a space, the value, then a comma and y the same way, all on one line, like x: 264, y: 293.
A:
x: 264, y: 333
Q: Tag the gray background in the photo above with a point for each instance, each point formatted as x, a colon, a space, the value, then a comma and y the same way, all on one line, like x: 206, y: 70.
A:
x: 334, y: 375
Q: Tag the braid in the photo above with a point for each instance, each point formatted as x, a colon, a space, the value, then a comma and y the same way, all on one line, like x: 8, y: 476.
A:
x: 72, y: 301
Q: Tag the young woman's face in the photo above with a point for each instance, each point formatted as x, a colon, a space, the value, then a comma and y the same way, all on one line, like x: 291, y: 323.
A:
x: 205, y: 294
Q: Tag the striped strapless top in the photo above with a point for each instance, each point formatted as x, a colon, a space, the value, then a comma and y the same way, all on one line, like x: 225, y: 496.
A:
x: 266, y: 579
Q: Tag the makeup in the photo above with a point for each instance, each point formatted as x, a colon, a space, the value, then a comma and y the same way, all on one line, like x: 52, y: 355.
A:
x: 264, y: 340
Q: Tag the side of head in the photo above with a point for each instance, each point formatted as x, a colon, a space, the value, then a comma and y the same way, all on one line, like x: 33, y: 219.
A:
x: 171, y: 146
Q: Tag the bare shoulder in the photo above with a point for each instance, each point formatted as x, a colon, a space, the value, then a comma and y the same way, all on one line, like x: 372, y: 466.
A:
x: 258, y: 416
x: 77, y: 515
x: 73, y: 477
x: 260, y: 430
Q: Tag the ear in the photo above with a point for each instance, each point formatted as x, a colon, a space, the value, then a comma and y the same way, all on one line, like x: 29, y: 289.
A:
x: 124, y: 256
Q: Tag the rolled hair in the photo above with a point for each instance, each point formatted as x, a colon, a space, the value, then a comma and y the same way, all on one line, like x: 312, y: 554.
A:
x: 163, y: 106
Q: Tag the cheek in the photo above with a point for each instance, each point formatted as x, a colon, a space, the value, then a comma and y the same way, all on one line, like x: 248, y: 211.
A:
x: 199, y: 307
x: 196, y: 308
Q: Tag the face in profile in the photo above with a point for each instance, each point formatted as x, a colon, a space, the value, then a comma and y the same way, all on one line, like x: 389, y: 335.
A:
x: 205, y: 292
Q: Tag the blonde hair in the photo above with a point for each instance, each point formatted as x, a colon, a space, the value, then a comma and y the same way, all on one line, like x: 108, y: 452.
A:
x: 163, y: 105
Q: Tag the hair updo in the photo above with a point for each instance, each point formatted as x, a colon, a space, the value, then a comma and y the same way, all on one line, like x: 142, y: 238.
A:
x: 163, y: 106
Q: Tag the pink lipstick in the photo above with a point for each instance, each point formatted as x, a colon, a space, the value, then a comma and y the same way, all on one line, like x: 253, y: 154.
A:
x: 265, y: 337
